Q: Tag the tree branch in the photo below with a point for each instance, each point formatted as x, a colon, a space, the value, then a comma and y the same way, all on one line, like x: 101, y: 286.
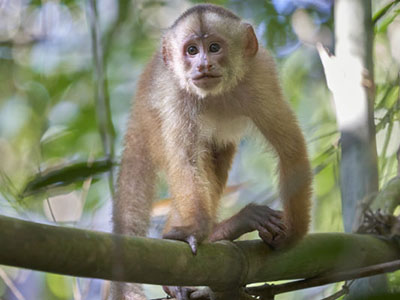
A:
x: 272, y: 290
x: 221, y: 265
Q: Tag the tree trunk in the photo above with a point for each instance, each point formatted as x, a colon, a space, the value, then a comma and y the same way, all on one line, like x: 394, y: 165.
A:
x: 350, y: 78
x: 354, y: 100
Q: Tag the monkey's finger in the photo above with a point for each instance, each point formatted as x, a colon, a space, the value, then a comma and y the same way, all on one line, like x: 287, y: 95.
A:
x: 166, y: 290
x: 192, y: 241
x: 265, y: 235
x: 272, y: 228
x: 279, y: 223
x: 182, y: 293
x: 201, y: 294
x: 276, y: 213
x: 178, y: 292
x: 278, y: 242
x: 266, y: 210
x: 177, y: 233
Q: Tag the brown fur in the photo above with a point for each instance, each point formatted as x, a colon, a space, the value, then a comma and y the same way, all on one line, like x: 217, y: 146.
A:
x: 191, y: 133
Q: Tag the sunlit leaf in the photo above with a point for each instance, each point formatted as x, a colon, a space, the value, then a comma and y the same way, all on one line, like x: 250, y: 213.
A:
x: 386, y: 22
x: 60, y: 286
x: 380, y: 13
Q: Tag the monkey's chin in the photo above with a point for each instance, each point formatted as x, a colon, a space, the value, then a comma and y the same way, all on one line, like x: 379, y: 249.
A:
x: 210, y: 86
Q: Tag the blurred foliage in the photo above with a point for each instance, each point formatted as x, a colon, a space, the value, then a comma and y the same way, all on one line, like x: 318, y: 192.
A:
x: 49, y: 130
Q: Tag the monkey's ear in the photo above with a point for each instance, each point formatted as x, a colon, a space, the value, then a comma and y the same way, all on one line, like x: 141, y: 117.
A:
x: 166, y: 53
x: 251, y: 46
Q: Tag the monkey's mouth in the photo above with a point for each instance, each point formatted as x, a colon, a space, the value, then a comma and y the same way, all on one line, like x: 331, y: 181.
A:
x: 206, y: 80
x: 205, y: 75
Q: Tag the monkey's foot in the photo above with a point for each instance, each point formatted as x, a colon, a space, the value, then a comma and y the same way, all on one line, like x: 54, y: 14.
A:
x: 189, y: 293
x: 203, y: 294
x: 179, y: 292
x: 206, y: 293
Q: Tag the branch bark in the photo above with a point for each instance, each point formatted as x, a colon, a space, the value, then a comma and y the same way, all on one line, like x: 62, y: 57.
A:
x: 221, y: 265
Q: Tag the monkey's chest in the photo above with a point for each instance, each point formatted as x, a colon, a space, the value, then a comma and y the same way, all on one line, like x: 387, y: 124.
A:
x: 222, y: 129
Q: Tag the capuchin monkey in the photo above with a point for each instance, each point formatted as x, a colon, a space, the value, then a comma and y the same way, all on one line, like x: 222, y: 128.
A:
x: 206, y: 86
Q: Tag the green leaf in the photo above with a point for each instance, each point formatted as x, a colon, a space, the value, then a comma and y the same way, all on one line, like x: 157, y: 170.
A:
x: 386, y: 22
x: 380, y: 13
x: 60, y: 286
x: 66, y: 175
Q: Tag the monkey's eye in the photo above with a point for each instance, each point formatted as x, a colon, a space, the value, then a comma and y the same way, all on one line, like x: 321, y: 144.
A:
x: 192, y: 50
x: 214, y: 47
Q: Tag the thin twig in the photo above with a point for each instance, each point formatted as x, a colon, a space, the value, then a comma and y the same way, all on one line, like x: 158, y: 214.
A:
x: 343, y: 291
x: 326, y: 279
x: 11, y: 286
x: 51, y: 209
x: 398, y: 162
x: 124, y: 12
x: 321, y: 136
x: 104, y: 119
x: 398, y: 151
x: 337, y: 295
x: 76, y: 290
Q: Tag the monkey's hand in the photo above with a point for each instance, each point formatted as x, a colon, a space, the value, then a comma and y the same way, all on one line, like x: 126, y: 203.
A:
x: 268, y: 222
x: 193, y: 235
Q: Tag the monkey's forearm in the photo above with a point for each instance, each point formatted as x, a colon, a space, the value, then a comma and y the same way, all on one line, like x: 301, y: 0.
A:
x: 285, y: 136
x: 192, y: 212
x: 135, y: 188
x: 296, y: 193
x: 229, y: 229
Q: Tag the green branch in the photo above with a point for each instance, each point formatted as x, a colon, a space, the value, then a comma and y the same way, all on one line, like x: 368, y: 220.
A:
x: 221, y: 265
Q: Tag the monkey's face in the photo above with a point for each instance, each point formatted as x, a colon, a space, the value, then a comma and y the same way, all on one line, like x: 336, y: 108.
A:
x: 204, y: 59
x: 207, y: 54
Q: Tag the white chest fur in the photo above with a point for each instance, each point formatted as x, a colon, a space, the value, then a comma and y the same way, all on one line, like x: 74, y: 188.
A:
x: 223, y: 129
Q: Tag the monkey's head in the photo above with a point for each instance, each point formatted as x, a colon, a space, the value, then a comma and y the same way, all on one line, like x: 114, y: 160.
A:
x: 208, y: 49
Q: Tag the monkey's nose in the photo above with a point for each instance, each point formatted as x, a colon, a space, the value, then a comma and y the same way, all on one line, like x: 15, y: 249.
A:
x: 205, y: 67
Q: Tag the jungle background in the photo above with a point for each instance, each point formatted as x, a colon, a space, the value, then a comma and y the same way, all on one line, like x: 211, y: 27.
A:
x: 51, y: 121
